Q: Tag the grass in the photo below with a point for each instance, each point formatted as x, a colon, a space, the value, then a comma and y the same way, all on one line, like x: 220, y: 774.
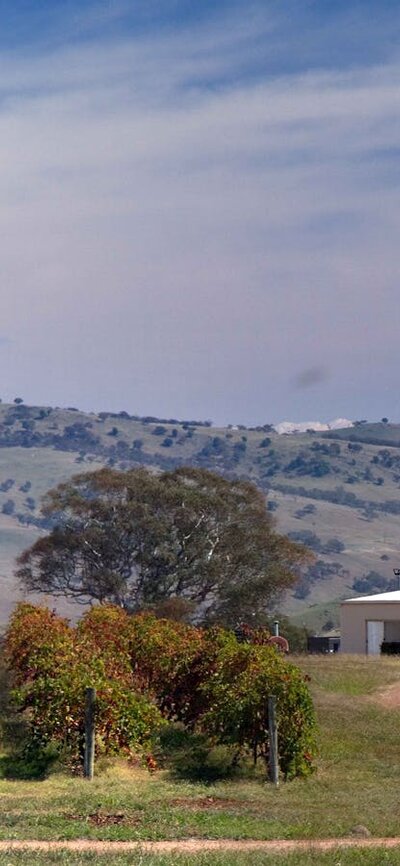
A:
x: 347, y: 675
x: 333, y: 858
x: 316, y: 858
x: 356, y: 782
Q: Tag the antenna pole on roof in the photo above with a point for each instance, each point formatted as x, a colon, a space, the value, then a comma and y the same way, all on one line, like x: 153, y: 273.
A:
x: 396, y: 572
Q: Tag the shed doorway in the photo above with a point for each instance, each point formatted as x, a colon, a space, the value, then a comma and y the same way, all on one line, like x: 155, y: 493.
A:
x: 375, y: 636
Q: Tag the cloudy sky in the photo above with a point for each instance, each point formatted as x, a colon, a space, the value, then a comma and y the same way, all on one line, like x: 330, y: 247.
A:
x: 199, y: 210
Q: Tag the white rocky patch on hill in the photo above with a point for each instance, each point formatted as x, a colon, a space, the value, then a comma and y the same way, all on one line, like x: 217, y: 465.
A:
x: 318, y: 426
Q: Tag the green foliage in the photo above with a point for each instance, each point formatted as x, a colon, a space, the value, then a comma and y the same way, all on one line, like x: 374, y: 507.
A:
x: 237, y: 696
x: 203, y: 760
x: 52, y: 664
x: 147, y: 671
x: 32, y: 762
x: 196, y: 756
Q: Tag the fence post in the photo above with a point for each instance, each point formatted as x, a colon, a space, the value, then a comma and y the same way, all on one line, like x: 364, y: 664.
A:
x: 90, y: 706
x: 273, y: 741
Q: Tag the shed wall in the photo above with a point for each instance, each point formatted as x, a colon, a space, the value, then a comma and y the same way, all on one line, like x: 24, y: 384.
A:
x: 353, y: 620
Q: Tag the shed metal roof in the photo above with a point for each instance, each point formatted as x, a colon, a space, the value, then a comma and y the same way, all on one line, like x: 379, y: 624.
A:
x: 380, y: 596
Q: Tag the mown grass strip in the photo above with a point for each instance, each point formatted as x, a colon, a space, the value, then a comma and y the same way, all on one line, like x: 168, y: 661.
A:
x: 336, y: 857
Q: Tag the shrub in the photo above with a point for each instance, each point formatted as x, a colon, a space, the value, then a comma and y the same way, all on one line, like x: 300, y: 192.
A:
x: 147, y: 671
x: 32, y: 762
x: 163, y: 656
x: 237, y: 697
x: 53, y: 664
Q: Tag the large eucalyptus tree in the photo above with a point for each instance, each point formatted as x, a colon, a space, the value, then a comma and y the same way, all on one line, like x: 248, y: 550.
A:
x: 136, y: 539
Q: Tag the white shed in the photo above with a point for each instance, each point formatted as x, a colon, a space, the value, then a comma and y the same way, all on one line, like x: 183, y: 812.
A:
x: 368, y: 621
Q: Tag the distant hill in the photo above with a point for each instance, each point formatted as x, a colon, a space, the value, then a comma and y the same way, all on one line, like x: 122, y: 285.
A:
x: 338, y: 491
x: 374, y: 434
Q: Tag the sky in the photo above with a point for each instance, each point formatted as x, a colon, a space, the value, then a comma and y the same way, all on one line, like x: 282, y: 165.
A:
x: 199, y: 209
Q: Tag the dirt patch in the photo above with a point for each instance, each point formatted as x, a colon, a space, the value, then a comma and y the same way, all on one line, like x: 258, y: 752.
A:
x: 389, y: 697
x: 102, y: 819
x: 199, y: 845
x: 205, y: 803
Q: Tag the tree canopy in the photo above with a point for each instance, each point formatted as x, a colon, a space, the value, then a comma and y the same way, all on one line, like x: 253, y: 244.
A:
x: 136, y: 539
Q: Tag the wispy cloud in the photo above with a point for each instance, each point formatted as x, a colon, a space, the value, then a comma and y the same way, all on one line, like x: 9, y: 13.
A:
x: 183, y: 233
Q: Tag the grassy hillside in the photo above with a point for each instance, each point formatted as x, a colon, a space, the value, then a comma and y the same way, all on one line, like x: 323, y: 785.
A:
x: 336, y: 491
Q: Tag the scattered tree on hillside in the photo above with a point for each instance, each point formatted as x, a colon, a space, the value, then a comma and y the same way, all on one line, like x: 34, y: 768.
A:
x: 373, y: 582
x: 159, y: 430
x: 6, y: 485
x: 332, y: 545
x: 136, y: 539
x: 354, y: 446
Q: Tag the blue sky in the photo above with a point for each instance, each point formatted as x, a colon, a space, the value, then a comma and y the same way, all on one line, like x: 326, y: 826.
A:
x: 200, y: 207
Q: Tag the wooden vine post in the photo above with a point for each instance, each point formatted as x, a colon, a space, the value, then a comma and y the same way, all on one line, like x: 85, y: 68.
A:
x: 273, y: 742
x: 90, y: 710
